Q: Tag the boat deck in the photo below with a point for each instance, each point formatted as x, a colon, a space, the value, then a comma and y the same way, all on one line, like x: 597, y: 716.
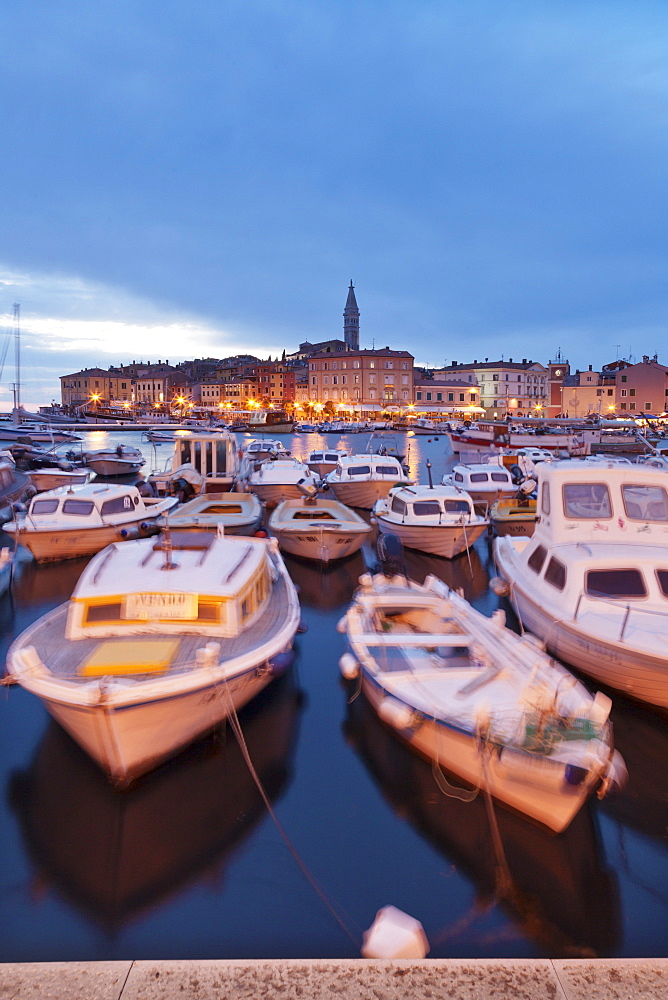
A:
x: 66, y: 659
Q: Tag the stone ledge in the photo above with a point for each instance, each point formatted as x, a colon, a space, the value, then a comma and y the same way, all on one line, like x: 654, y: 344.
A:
x: 344, y: 979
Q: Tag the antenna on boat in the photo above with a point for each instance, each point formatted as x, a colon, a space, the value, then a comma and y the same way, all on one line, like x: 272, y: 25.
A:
x: 431, y: 484
x: 167, y: 547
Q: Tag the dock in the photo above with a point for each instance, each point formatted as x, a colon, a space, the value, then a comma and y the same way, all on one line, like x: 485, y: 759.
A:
x: 345, y: 979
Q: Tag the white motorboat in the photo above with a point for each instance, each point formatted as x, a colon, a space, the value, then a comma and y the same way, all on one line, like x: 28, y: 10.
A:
x: 437, y: 519
x: 50, y: 477
x: 161, y: 640
x: 475, y: 698
x: 122, y: 460
x: 209, y: 458
x: 592, y: 581
x: 79, y: 520
x: 257, y: 448
x: 236, y: 513
x: 316, y: 528
x: 324, y: 460
x: 361, y: 480
x: 484, y: 482
x: 274, y: 480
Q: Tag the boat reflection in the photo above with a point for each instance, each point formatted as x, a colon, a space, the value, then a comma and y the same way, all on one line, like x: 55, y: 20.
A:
x: 641, y: 736
x: 466, y: 572
x: 114, y: 855
x: 326, y: 587
x: 557, y: 889
x: 46, y: 585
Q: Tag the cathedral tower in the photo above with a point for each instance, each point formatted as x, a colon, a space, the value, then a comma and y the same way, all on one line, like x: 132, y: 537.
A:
x: 351, y: 322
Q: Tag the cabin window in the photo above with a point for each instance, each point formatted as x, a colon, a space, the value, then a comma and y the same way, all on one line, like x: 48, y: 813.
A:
x: 44, y: 507
x: 617, y: 583
x: 537, y: 558
x: 556, y: 573
x: 423, y: 508
x: 386, y: 470
x: 479, y: 477
x: 97, y: 613
x: 118, y: 505
x: 80, y: 507
x: 662, y: 577
x: 221, y: 458
x: 317, y: 456
x: 398, y: 506
x: 645, y: 503
x: 499, y: 477
x: 458, y: 477
x: 331, y: 457
x: 359, y: 470
x: 587, y: 500
x: 456, y: 507
x: 545, y: 498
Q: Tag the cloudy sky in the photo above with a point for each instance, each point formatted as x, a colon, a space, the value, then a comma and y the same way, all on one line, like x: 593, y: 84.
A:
x: 186, y: 178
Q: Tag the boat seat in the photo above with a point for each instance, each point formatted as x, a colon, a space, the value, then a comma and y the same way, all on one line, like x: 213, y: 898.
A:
x: 490, y: 674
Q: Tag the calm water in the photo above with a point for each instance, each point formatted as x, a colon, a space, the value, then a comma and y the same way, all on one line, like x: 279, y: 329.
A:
x: 188, y: 864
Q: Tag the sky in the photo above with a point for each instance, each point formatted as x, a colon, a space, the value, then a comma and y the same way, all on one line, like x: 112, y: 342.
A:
x: 189, y: 178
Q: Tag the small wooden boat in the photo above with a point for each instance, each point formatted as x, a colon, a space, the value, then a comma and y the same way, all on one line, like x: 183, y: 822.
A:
x: 161, y: 640
x: 235, y: 513
x: 361, y: 480
x: 318, y: 529
x: 466, y: 692
x: 513, y: 516
x: 80, y: 520
x: 437, y: 519
x: 119, y: 461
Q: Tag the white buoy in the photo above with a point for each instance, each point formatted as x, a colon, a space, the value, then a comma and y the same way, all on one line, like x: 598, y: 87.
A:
x: 394, y: 934
x: 349, y: 666
x: 396, y: 713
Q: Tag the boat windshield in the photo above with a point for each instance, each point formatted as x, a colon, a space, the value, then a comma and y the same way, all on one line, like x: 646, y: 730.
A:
x: 424, y: 507
x: 44, y: 507
x: 456, y: 506
x: 645, y: 503
x: 360, y: 470
x: 587, y: 500
x: 81, y: 508
x: 617, y: 583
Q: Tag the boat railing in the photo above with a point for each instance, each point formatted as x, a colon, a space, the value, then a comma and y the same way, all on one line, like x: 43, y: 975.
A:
x: 618, y: 606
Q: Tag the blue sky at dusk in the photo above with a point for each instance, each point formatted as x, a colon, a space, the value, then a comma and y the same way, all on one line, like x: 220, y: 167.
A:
x: 187, y: 178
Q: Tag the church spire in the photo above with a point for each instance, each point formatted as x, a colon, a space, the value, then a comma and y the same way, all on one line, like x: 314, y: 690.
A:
x: 351, y: 321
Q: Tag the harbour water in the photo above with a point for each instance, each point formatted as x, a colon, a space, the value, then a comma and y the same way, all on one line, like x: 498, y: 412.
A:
x: 189, y: 863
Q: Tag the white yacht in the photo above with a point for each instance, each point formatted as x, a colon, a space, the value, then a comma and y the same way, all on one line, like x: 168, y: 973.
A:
x: 361, y: 480
x: 161, y: 640
x: 592, y: 581
x: 324, y: 460
x: 436, y: 519
x: 274, y: 480
x: 484, y: 482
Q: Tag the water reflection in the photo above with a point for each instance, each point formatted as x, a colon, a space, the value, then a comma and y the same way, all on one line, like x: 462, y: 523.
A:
x: 557, y: 889
x: 323, y: 587
x: 114, y: 855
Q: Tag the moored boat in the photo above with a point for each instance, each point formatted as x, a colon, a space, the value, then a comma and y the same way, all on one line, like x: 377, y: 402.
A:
x: 318, y: 528
x: 209, y: 459
x: 467, y: 693
x: 119, y: 461
x: 513, y: 516
x: 324, y: 460
x: 74, y: 521
x: 361, y: 480
x: 592, y: 581
x: 235, y: 513
x: 484, y: 482
x: 438, y: 519
x: 161, y: 640
x: 274, y: 480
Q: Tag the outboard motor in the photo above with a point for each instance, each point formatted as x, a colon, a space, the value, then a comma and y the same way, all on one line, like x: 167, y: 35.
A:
x: 391, y: 555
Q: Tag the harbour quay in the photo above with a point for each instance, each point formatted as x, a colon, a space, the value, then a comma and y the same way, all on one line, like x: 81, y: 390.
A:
x: 541, y: 979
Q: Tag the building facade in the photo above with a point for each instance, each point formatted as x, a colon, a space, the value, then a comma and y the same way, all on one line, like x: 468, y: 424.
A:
x: 507, y: 388
x: 374, y: 379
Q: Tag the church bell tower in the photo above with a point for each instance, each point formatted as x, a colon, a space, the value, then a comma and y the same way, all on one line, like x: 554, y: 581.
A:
x: 351, y: 321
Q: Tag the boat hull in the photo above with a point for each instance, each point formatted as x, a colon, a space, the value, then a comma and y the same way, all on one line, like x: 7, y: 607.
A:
x: 321, y: 545
x: 546, y: 799
x: 43, y: 479
x: 439, y: 540
x: 52, y: 546
x: 363, y: 494
x: 113, y: 467
x: 637, y: 674
x: 272, y: 494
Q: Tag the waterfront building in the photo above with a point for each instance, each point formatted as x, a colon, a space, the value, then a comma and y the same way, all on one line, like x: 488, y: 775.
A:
x: 507, y: 388
x: 373, y: 380
x: 446, y: 397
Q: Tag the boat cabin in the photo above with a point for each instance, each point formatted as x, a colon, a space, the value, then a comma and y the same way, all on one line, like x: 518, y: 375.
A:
x: 482, y: 478
x: 88, y: 506
x: 423, y: 505
x: 193, y: 582
x: 213, y: 455
x: 357, y: 468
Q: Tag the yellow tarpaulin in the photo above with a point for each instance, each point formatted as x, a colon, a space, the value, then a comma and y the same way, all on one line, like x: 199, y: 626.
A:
x: 130, y: 657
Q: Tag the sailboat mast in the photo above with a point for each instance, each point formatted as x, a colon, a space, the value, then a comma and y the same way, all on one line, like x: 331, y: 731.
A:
x: 17, y: 352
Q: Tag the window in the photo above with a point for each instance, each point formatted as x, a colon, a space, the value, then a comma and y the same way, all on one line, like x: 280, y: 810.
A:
x: 118, y: 505
x: 461, y: 397
x: 439, y: 397
x: 648, y: 406
x: 81, y: 508
x: 372, y: 364
x: 387, y: 470
x: 418, y: 395
x: 662, y: 577
x: 586, y: 500
x: 537, y: 558
x: 545, y: 498
x: 389, y: 364
x: 615, y: 583
x: 335, y: 379
x: 555, y: 573
x: 456, y: 507
x: 624, y: 378
x: 611, y: 392
x: 44, y: 507
x: 645, y: 503
x: 451, y: 397
x: 458, y: 478
x: 428, y: 395
x: 495, y: 378
x: 404, y: 365
x: 326, y: 380
x: 623, y: 392
x: 359, y: 470
x: 399, y: 507
x: 501, y: 477
x: 632, y: 392
x: 479, y: 477
x: 424, y: 508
